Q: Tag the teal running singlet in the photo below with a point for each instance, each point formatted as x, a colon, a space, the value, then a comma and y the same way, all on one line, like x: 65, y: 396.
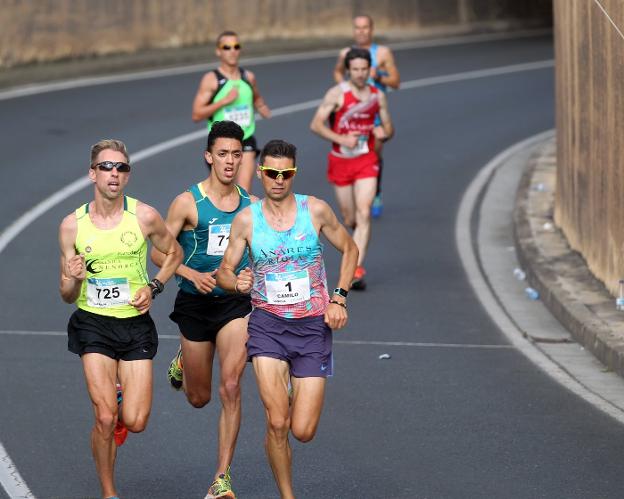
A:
x: 205, y: 244
x: 374, y: 64
x: 288, y: 267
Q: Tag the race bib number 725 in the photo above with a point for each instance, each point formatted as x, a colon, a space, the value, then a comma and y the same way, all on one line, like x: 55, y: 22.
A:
x: 103, y: 293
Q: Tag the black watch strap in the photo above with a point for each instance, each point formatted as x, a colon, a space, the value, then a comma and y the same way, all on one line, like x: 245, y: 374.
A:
x: 341, y: 292
x: 156, y: 286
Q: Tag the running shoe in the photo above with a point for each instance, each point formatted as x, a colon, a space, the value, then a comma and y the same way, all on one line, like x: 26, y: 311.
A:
x: 121, y: 432
x: 175, y: 373
x: 221, y: 487
x: 377, y: 207
x: 358, y: 282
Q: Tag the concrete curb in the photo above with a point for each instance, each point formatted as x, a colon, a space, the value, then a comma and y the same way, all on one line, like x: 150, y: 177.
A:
x: 567, y: 287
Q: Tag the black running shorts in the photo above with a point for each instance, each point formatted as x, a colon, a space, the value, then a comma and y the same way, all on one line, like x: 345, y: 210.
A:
x: 132, y: 338
x: 200, y: 317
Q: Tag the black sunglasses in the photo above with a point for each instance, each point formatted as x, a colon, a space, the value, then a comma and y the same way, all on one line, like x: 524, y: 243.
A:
x: 107, y: 166
x: 274, y: 173
x: 230, y: 47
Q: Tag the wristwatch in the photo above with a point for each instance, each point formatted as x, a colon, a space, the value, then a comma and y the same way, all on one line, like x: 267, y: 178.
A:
x: 341, y: 292
x: 156, y: 286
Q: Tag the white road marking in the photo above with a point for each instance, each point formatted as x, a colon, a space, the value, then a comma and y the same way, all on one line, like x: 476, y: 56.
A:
x: 10, y: 479
x: 338, y: 342
x: 9, y: 476
x: 37, y: 88
x: 14, y: 229
x: 463, y: 241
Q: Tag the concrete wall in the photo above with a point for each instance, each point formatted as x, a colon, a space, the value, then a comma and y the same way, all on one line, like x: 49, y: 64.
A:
x: 44, y: 30
x: 589, y: 200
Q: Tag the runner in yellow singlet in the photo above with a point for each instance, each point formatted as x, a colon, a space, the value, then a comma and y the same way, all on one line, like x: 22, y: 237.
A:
x: 103, y: 270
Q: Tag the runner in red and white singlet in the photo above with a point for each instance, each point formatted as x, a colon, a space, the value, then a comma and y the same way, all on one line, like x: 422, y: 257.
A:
x: 346, y: 117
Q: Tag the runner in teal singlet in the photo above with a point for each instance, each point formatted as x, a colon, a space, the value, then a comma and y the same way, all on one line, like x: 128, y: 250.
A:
x: 211, y: 321
x: 103, y: 270
x: 231, y: 93
x: 384, y: 74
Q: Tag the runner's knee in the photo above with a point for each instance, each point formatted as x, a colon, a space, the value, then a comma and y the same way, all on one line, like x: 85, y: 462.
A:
x: 198, y: 398
x: 279, y: 425
x: 136, y: 423
x: 105, y: 421
x: 362, y: 213
x: 303, y: 433
x: 230, y: 390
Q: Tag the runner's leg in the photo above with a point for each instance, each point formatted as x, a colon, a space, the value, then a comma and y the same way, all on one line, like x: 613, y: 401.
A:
x: 272, y: 378
x: 136, y: 378
x: 307, y: 404
x: 101, y: 377
x: 232, y: 353
x: 379, y: 149
x: 247, y: 170
x: 346, y: 204
x: 364, y: 193
x: 197, y: 358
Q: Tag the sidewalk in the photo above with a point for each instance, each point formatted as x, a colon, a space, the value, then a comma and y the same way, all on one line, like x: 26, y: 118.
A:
x: 566, y: 286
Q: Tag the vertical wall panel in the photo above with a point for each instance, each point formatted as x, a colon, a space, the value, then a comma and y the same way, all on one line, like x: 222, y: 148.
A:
x: 590, y: 119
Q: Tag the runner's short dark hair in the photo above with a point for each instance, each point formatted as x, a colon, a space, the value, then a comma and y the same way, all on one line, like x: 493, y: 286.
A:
x: 357, y: 53
x: 224, y: 129
x: 278, y: 148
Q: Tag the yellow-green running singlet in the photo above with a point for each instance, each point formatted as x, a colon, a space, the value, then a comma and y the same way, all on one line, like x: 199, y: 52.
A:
x: 116, y: 261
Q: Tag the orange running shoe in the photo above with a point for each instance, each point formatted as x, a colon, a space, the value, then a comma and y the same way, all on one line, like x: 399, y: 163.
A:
x: 358, y: 282
x: 120, y: 433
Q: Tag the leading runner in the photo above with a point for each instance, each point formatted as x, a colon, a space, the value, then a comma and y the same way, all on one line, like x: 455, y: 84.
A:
x: 290, y: 328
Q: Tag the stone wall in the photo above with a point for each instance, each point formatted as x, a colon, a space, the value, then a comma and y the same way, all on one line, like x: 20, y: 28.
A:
x: 47, y: 30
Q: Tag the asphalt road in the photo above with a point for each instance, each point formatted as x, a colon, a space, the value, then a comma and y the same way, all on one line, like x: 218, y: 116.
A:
x: 457, y: 412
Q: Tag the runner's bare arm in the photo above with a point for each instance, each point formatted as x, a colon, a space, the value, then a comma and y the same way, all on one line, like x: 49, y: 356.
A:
x: 153, y: 227
x: 384, y: 116
x: 73, y: 271
x: 327, y: 223
x: 339, y: 69
x: 259, y: 103
x: 202, y: 107
x: 331, y: 102
x: 386, y: 63
x: 239, y: 240
x: 182, y: 215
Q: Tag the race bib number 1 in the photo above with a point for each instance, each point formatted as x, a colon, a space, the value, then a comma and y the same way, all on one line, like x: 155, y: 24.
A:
x: 103, y: 293
x: 240, y: 114
x: 287, y: 288
x: 218, y: 238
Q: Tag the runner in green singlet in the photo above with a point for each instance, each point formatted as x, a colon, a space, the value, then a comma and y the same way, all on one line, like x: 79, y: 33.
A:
x: 231, y: 93
x: 103, y: 270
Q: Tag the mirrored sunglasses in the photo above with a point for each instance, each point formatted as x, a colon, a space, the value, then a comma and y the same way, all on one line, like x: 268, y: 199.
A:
x: 274, y: 173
